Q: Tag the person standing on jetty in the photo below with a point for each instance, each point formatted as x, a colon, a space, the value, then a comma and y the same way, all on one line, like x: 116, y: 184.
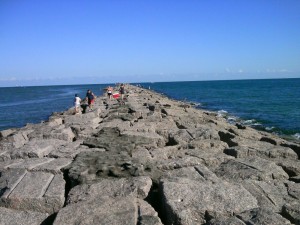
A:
x: 109, y: 92
x: 90, y: 98
x: 122, y: 91
x: 77, y: 101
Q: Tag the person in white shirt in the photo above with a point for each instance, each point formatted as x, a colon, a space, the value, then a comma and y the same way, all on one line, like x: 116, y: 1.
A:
x: 77, y: 101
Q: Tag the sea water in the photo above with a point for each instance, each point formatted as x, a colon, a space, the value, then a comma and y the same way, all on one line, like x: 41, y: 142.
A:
x: 272, y: 105
x: 22, y: 105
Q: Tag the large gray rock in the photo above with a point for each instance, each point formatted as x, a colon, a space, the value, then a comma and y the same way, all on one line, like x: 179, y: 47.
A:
x: 5, y: 133
x: 54, y: 166
x: 18, y: 139
x: 90, y: 119
x: 122, y: 210
x: 199, y: 173
x: 37, y: 148
x: 113, y: 140
x: 188, y: 201
x: 291, y: 167
x: 271, y: 195
x: 28, y: 164
x: 35, y: 191
x: 138, y: 187
x: 9, y: 179
x: 16, y: 217
x: 292, y: 212
x: 264, y: 150
x: 250, y: 168
x: 255, y: 216
x: 55, y: 121
x: 120, y: 124
x: 65, y: 134
x: 212, y: 156
x: 68, y: 150
x: 293, y: 189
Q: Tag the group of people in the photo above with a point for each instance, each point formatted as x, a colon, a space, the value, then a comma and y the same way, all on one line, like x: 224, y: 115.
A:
x: 90, y: 97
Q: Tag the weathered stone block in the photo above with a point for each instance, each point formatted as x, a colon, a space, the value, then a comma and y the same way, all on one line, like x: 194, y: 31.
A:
x: 269, y: 194
x: 53, y: 166
x: 53, y: 122
x: 99, y: 211
x: 253, y: 168
x: 37, y: 148
x: 138, y: 187
x: 18, y: 139
x: 5, y: 133
x: 292, y: 212
x: 28, y: 164
x: 187, y: 201
x: 36, y: 191
x: 9, y: 179
x: 65, y: 134
x: 16, y: 217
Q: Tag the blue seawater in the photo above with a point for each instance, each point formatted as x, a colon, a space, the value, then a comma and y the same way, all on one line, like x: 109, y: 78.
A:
x: 22, y: 105
x: 269, y: 104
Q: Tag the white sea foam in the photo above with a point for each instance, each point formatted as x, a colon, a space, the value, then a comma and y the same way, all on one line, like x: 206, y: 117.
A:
x: 256, y: 124
x: 197, y: 104
x: 270, y: 128
x: 297, y: 135
x: 232, y: 119
x: 249, y: 122
x: 222, y: 113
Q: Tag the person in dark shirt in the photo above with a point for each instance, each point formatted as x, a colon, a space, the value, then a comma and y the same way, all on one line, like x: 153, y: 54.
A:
x: 122, y: 91
x: 90, y: 98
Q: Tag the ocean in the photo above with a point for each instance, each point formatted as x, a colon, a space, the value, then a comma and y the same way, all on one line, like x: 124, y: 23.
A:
x: 22, y: 105
x: 271, y: 105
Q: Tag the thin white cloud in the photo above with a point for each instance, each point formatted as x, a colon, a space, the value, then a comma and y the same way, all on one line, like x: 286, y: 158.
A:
x: 8, y: 79
x: 278, y: 71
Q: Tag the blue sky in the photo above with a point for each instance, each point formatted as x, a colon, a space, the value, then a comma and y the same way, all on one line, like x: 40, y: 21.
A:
x: 73, y: 42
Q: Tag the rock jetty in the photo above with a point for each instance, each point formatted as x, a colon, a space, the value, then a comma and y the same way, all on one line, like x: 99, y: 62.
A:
x: 149, y: 161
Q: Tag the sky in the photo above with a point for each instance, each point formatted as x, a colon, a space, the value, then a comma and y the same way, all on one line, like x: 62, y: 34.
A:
x: 54, y: 42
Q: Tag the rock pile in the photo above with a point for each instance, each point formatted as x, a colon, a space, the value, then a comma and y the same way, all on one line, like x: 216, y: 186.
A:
x: 149, y: 161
